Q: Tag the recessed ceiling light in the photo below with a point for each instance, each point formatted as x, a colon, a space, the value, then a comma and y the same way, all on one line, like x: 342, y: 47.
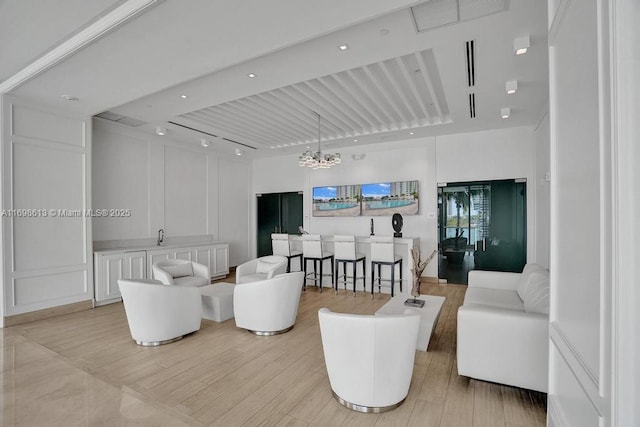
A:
x: 161, y: 131
x: 343, y: 47
x: 204, y: 142
x: 521, y: 44
x: 239, y: 151
x: 252, y: 75
x: 69, y: 97
x: 355, y: 140
x: 505, y: 113
x: 512, y: 86
x: 183, y: 96
x: 411, y: 133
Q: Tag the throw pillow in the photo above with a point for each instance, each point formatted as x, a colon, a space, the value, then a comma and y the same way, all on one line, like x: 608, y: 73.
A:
x: 526, y: 279
x: 537, y: 298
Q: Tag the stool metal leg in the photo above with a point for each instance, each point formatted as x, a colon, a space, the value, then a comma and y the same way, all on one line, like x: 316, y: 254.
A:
x: 393, y: 273
x: 401, y: 275
x: 354, y: 264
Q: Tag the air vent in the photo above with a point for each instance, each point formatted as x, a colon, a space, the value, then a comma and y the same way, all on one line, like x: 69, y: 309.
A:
x: 119, y: 118
x: 472, y: 105
x: 211, y: 134
x: 437, y: 13
x: 471, y: 62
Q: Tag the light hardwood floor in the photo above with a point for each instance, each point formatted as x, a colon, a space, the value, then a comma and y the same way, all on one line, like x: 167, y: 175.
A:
x: 84, y: 369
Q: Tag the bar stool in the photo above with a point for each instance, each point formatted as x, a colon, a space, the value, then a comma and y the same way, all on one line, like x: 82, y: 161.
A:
x: 280, y: 246
x: 345, y: 252
x: 312, y: 251
x: 382, y: 254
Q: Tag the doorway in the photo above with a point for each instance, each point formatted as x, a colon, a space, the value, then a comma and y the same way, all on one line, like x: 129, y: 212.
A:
x: 277, y: 213
x: 482, y: 226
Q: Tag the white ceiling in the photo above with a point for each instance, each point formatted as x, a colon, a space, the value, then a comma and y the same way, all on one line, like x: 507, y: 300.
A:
x: 391, y: 81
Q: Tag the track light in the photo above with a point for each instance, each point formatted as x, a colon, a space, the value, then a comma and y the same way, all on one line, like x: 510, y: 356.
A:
x: 512, y: 86
x: 505, y: 113
x: 204, y: 142
x: 161, y: 131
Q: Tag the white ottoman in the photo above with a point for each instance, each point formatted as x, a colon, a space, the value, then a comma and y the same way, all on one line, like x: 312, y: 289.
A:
x: 217, y: 301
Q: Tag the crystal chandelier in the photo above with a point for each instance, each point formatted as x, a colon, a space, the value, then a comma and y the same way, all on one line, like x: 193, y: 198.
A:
x: 317, y: 160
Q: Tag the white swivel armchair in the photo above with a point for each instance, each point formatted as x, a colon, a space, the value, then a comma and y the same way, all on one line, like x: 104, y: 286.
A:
x: 262, y: 268
x: 369, y: 358
x: 268, y: 307
x: 181, y: 272
x: 160, y: 314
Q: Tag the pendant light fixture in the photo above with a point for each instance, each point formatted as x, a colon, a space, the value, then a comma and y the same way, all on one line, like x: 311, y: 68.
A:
x: 317, y: 160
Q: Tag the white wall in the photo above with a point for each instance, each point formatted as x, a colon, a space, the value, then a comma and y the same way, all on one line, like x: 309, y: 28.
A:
x: 186, y: 190
x: 541, y: 184
x: 46, y: 166
x: 499, y: 154
x: 581, y: 203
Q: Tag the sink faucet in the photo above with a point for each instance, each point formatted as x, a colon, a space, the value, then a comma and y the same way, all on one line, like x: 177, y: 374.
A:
x: 160, y: 236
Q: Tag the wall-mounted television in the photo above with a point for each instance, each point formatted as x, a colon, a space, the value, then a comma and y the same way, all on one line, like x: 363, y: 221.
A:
x: 378, y: 199
x: 387, y: 198
x: 338, y: 200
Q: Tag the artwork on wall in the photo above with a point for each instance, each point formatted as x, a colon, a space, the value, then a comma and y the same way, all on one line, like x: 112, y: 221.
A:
x: 387, y: 198
x: 339, y: 200
x: 379, y: 199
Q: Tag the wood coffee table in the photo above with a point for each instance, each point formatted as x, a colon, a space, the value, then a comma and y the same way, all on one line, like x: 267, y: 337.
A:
x: 429, y: 314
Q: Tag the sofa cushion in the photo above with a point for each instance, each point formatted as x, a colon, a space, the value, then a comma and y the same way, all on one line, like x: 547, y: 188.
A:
x: 247, y: 278
x: 179, y: 270
x: 191, y: 281
x: 494, y: 298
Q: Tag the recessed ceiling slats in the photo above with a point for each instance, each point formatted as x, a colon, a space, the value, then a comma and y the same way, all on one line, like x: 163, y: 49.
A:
x: 414, y: 88
x: 394, y: 82
x: 385, y: 99
x: 282, y: 113
x: 423, y: 67
x: 344, y: 81
x: 319, y: 87
x: 398, y: 93
x: 258, y: 113
x: 368, y: 91
x: 234, y: 109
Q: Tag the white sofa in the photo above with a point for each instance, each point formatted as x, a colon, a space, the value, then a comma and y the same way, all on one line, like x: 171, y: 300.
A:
x: 159, y: 314
x: 181, y: 272
x: 369, y: 358
x: 268, y: 307
x: 262, y: 268
x: 503, y: 328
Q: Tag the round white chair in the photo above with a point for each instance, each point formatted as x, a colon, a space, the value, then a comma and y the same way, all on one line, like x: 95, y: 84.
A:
x: 369, y: 358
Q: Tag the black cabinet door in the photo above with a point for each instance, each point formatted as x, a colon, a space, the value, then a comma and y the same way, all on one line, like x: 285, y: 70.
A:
x: 277, y: 213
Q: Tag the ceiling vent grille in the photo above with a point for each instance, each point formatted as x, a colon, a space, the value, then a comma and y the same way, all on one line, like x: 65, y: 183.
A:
x: 471, y: 62
x: 119, y: 118
x: 472, y: 105
x: 436, y: 13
